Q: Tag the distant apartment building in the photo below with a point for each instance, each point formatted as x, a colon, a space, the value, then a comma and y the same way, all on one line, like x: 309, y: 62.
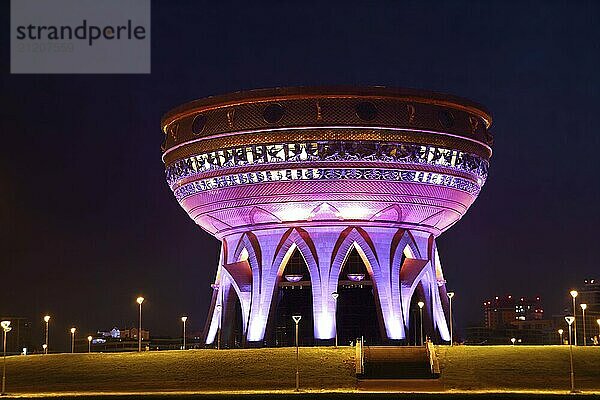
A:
x: 505, y: 311
x: 507, y: 317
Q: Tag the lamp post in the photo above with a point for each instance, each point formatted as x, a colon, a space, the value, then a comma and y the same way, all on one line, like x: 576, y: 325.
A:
x: 140, y: 300
x: 89, y: 338
x: 335, y: 296
x: 513, y: 341
x: 421, y: 304
x: 560, y: 333
x: 570, y: 320
x: 183, y: 319
x: 297, y: 319
x: 574, y: 294
x: 73, y: 340
x: 450, y: 296
x: 583, y: 308
x: 220, y: 308
x: 47, y: 321
x: 5, y: 328
x: 598, y: 321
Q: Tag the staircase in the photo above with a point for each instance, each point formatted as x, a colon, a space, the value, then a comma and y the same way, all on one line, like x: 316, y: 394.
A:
x: 398, y: 362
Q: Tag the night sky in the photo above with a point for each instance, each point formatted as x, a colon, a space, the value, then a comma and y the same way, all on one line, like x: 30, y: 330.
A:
x: 88, y: 222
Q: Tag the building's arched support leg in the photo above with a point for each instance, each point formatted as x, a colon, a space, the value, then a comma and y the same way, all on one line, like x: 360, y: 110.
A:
x: 415, y: 271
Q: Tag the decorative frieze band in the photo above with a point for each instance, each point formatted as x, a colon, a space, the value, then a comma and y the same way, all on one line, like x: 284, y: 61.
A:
x: 319, y: 174
x: 310, y: 152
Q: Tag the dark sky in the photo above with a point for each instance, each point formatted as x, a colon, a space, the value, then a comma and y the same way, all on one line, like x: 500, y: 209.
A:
x: 88, y: 222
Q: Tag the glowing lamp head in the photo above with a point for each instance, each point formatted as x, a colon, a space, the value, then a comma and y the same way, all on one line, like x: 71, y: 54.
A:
x: 296, y: 318
x: 183, y: 319
x: 73, y: 330
x: 450, y: 295
x: 420, y: 304
x: 46, y: 318
x: 583, y: 306
x: 570, y: 320
x: 89, y: 338
x: 513, y: 340
x: 574, y: 293
x: 560, y: 331
x: 6, y: 326
x: 44, y: 346
x: 335, y: 295
x: 140, y: 300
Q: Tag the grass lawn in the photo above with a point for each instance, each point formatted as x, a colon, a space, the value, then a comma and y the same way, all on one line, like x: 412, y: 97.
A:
x: 518, y: 367
x: 192, y: 370
x: 464, y: 369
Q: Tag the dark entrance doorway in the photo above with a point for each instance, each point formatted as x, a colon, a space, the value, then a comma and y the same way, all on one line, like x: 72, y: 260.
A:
x: 356, y: 308
x: 293, y: 297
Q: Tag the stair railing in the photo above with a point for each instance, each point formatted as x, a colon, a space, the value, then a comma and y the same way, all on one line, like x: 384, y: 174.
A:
x: 432, y: 356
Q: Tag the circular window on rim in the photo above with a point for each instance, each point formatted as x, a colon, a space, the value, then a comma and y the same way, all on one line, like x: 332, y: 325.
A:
x: 198, y: 124
x: 273, y: 113
x: 366, y: 111
x: 446, y: 118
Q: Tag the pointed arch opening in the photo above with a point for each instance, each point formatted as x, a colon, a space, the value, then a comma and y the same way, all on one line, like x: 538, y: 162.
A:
x: 244, y: 255
x: 414, y: 316
x: 232, y: 326
x: 293, y: 296
x: 356, y: 314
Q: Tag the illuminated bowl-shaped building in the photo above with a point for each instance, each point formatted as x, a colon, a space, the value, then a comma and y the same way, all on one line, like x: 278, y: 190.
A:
x: 316, y: 191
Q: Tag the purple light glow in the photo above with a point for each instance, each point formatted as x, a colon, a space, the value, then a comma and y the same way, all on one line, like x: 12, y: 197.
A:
x: 356, y: 277
x: 334, y: 187
x: 293, y: 278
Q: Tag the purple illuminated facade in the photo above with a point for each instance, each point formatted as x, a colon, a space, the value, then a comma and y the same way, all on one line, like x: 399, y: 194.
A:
x: 327, y: 172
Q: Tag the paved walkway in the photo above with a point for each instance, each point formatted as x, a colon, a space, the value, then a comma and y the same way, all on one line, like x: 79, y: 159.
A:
x: 401, y: 385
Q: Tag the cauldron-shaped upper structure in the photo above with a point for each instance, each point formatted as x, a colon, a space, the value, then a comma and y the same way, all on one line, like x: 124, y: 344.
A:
x: 252, y: 167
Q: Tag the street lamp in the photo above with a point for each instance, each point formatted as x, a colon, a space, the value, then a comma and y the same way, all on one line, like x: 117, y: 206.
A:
x: 560, y: 332
x: 297, y: 319
x: 335, y: 296
x: 583, y: 308
x: 574, y: 294
x: 220, y: 308
x: 140, y: 300
x: 598, y: 321
x: 183, y: 319
x: 450, y: 296
x: 5, y: 328
x: 570, y: 320
x: 47, y: 321
x: 513, y: 341
x: 73, y: 340
x: 89, y: 338
x: 421, y: 304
